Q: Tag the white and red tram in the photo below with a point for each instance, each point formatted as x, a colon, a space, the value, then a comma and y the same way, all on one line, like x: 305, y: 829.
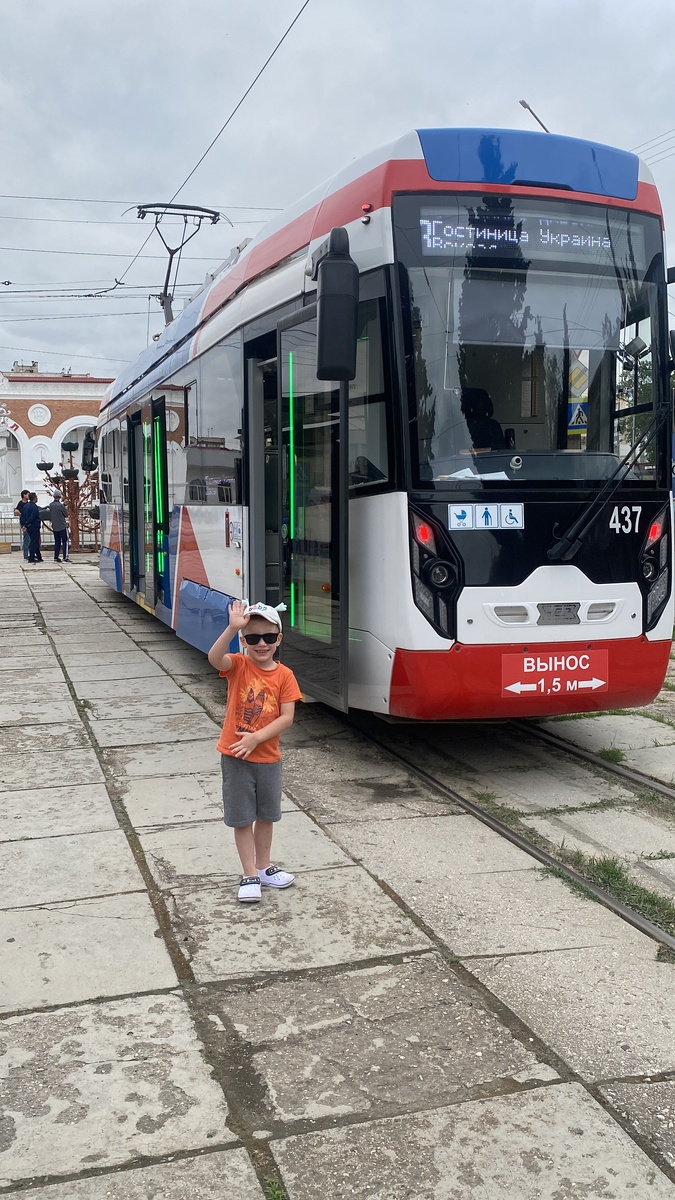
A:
x: 476, y: 525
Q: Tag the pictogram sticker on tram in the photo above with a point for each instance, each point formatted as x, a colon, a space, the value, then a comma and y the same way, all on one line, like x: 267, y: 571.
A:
x: 558, y: 673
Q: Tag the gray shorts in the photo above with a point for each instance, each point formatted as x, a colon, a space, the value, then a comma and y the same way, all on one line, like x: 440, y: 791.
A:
x: 250, y: 790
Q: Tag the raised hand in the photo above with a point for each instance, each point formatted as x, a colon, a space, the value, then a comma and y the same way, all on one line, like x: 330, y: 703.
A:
x: 238, y: 617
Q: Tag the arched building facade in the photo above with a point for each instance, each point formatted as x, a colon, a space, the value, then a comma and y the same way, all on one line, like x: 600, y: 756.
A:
x: 44, y: 410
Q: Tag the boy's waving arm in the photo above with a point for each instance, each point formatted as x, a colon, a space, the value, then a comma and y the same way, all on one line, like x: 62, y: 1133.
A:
x: 218, y: 656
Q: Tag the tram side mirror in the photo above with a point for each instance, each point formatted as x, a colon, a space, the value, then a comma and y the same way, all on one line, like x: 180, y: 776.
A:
x: 89, y: 459
x: 672, y: 349
x: 337, y: 278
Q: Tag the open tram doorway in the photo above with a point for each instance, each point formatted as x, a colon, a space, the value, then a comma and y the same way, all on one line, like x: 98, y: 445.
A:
x: 147, y: 522
x: 298, y: 504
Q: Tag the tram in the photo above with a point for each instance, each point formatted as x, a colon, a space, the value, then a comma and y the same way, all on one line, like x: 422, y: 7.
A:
x: 474, y: 520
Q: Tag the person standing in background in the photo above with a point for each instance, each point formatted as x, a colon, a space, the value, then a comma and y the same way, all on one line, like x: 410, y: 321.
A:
x: 58, y: 517
x: 30, y: 523
x: 17, y: 513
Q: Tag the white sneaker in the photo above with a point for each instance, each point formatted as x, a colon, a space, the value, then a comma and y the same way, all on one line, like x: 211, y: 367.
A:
x: 276, y: 878
x: 249, y: 889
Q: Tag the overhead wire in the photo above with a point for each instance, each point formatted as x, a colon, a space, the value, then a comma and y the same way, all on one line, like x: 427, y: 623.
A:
x: 62, y: 354
x: 659, y: 137
x: 222, y: 129
x: 132, y: 203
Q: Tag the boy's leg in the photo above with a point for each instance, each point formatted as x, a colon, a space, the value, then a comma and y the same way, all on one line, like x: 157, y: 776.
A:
x: 239, y: 814
x: 262, y: 837
x: 243, y: 840
x: 268, y: 803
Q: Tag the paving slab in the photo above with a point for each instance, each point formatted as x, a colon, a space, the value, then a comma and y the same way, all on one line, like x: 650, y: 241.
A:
x: 183, y: 658
x: 35, y: 695
x: 71, y: 644
x: 650, y: 1108
x: 32, y: 646
x: 80, y: 950
x: 340, y: 759
x: 142, y: 707
x: 541, y: 789
x: 96, y: 624
x: 179, y: 663
x: 50, y: 737
x: 168, y: 800
x: 327, y: 917
x: 181, y: 727
x: 555, y: 1143
x: 624, y: 832
x: 182, y: 856
x: 66, y: 867
x: 42, y: 769
x: 37, y: 709
x: 658, y: 762
x: 607, y: 1011
x: 49, y: 811
x: 120, y: 666
x: 481, y: 748
x: 42, y: 664
x: 157, y: 685
x: 376, y: 1041
x: 101, y: 1085
x: 383, y: 798
x: 211, y: 693
x: 153, y: 760
x: 658, y: 875
x: 615, y: 731
x: 487, y: 897
x: 178, y: 1179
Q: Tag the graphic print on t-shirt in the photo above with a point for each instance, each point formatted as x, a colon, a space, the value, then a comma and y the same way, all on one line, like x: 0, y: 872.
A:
x: 254, y: 702
x: 252, y: 707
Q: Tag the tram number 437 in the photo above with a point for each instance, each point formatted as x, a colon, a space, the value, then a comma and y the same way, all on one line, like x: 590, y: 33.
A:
x: 625, y: 518
x: 554, y: 674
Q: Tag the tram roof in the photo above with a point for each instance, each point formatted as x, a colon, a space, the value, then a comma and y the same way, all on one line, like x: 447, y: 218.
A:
x: 425, y: 159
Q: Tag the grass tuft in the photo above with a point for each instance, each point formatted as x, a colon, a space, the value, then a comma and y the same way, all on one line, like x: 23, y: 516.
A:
x: 274, y: 1190
x: 612, y: 754
x: 610, y: 874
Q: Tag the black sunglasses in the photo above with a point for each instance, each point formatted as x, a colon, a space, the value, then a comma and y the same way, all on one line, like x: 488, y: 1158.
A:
x: 252, y: 639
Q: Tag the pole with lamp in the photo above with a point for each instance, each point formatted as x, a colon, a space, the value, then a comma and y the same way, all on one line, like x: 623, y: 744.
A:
x: 524, y: 104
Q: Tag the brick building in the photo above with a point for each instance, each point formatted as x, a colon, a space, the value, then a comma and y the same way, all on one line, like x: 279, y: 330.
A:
x: 43, y: 411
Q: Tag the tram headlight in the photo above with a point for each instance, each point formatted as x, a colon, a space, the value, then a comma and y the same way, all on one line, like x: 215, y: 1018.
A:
x: 438, y: 573
x: 649, y: 569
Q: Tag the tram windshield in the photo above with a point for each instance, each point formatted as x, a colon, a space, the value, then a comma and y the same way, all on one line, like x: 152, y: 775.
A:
x: 533, y: 336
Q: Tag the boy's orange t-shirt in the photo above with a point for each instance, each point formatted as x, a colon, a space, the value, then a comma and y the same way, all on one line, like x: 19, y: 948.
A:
x: 254, y: 699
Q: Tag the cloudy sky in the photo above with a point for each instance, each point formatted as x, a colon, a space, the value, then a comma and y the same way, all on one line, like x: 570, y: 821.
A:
x: 107, y: 104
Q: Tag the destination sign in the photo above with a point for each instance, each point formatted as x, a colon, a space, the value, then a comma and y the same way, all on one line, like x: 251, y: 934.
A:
x: 529, y: 236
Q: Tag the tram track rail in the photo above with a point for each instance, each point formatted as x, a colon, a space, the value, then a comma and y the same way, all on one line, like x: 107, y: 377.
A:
x: 547, y: 860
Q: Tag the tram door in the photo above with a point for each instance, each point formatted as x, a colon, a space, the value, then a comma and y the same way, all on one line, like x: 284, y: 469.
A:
x: 313, y: 491
x: 141, y: 523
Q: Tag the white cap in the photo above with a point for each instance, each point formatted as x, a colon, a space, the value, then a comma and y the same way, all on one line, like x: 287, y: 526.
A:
x: 266, y: 612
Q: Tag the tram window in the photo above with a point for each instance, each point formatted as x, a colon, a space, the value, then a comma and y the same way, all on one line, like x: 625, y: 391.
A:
x: 368, y: 419
x: 519, y: 342
x: 214, y: 410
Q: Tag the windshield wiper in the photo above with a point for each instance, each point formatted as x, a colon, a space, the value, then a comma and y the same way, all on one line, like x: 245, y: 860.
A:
x: 570, y: 542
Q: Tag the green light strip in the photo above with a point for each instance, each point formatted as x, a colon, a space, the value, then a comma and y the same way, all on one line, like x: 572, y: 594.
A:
x: 291, y: 474
x: 159, y: 490
x: 291, y: 446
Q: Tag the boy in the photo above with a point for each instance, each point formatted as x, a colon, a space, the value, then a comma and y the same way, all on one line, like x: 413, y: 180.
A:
x: 261, y: 698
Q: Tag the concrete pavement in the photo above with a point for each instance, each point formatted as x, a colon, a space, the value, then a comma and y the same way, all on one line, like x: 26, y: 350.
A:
x: 422, y: 1015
